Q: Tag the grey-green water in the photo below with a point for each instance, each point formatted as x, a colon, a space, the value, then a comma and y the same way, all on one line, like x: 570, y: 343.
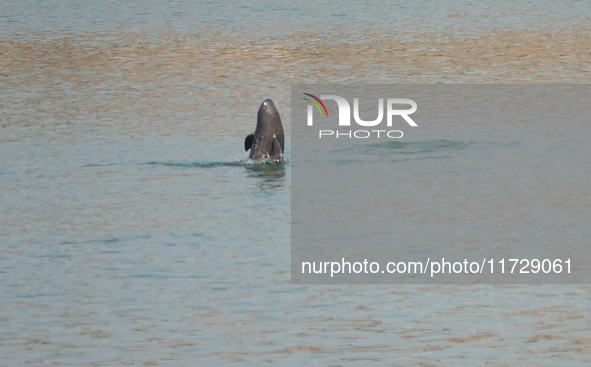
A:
x: 133, y: 233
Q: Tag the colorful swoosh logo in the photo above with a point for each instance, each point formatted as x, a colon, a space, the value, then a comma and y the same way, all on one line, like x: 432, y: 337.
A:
x: 315, y: 104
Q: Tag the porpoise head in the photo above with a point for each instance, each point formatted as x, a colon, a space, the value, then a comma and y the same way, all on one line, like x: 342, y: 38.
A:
x: 268, y: 139
x: 268, y: 116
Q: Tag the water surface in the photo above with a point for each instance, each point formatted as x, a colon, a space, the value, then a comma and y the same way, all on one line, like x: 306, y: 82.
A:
x: 133, y: 233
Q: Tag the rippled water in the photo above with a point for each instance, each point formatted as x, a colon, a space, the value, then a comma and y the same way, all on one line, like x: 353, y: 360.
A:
x: 272, y: 17
x: 133, y: 232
